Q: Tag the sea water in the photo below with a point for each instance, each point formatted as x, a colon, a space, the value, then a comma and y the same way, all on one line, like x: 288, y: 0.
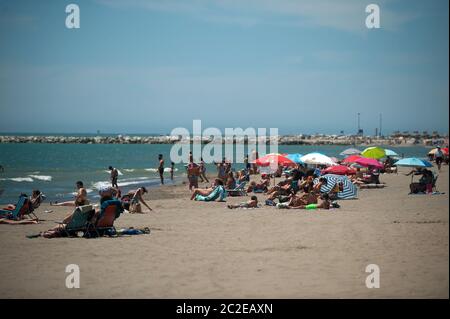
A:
x: 54, y: 168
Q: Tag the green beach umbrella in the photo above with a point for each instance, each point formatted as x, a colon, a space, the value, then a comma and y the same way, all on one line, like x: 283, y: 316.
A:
x: 374, y: 152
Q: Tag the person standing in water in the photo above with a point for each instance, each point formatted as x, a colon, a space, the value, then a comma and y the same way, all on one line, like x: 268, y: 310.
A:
x: 161, y: 168
x: 172, y: 169
x: 114, y: 176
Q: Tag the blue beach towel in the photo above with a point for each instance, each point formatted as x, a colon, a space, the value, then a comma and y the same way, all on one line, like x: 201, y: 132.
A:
x: 218, y: 192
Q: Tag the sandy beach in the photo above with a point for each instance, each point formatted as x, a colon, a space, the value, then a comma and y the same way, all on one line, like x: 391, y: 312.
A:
x: 204, y: 250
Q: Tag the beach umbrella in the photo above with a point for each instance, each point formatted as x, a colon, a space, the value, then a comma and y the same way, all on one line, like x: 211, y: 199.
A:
x: 273, y: 160
x: 413, y: 162
x: 366, y: 162
x: 349, y: 191
x: 374, y: 152
x: 350, y: 151
x: 351, y: 159
x: 296, y: 158
x: 334, y: 159
x: 339, y: 170
x: 390, y: 152
x: 434, y: 150
x: 317, y: 159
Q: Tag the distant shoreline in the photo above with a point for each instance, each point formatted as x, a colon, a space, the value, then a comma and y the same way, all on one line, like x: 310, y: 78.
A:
x: 397, y: 140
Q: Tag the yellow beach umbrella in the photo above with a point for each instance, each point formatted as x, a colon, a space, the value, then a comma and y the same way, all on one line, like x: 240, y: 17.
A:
x: 374, y: 152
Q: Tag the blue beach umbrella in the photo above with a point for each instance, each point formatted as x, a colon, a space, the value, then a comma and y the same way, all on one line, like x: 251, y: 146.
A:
x: 295, y: 158
x: 349, y: 192
x: 390, y: 152
x: 413, y: 162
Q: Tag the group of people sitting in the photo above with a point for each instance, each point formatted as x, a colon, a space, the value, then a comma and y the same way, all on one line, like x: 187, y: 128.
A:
x: 296, y: 191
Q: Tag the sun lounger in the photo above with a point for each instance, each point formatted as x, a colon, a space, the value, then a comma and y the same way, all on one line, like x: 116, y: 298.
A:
x: 239, y: 190
x: 110, y: 210
x: 79, y: 222
x: 21, y: 209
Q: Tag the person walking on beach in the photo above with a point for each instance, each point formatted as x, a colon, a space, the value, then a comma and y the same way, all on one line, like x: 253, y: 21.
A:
x: 114, y: 176
x: 203, y: 171
x: 80, y: 197
x: 161, y: 168
x: 438, y: 157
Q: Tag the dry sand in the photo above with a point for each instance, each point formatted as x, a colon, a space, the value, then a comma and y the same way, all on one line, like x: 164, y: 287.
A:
x: 204, y: 250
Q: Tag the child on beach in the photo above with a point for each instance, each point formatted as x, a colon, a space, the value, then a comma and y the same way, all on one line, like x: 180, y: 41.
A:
x: 252, y: 203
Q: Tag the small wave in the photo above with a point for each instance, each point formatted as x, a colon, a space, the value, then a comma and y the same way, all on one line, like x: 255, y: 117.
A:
x: 118, y: 171
x: 42, y: 177
x: 129, y: 169
x: 155, y: 170
x: 122, y: 183
x: 18, y: 179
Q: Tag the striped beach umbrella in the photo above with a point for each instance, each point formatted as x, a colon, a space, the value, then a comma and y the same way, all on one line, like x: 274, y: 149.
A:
x: 349, y: 192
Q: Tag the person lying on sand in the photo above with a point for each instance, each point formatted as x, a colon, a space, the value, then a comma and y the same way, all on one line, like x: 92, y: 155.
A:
x: 206, y: 191
x: 296, y: 200
x: 325, y: 203
x: 80, y: 197
x: 252, y: 203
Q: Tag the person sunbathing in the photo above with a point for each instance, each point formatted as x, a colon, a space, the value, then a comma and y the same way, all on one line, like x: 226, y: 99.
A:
x: 35, y: 200
x: 322, y: 182
x: 231, y: 182
x: 80, y: 197
x: 206, y: 191
x: 252, y: 203
x: 325, y: 203
x: 296, y: 200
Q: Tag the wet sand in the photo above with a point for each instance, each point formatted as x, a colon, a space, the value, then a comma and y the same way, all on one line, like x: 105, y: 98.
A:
x: 204, y: 250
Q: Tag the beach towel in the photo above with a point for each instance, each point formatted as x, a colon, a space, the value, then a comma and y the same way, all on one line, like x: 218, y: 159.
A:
x: 218, y: 192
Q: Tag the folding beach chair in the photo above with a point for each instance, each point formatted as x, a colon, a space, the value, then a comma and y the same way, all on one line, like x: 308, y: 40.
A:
x: 110, y: 210
x: 80, y: 221
x: 239, y: 190
x: 22, y: 207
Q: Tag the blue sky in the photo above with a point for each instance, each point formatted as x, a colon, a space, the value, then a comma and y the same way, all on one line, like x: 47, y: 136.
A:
x: 149, y: 66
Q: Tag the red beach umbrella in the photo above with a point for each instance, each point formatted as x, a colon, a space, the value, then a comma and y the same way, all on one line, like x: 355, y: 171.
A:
x: 339, y: 170
x: 274, y: 159
x: 351, y: 159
